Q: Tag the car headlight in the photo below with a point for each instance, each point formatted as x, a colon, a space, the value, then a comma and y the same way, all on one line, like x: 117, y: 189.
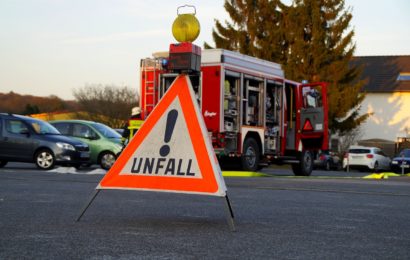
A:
x: 66, y: 146
x: 118, y: 146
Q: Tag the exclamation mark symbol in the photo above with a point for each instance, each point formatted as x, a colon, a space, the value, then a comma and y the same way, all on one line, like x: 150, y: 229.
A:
x: 169, y: 129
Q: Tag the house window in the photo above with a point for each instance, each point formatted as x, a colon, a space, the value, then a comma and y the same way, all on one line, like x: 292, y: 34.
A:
x: 404, y: 76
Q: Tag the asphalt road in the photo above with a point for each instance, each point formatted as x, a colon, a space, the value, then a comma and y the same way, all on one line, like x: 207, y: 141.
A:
x: 325, y: 216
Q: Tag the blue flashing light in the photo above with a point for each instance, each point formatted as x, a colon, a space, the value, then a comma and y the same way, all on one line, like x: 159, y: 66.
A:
x: 164, y: 62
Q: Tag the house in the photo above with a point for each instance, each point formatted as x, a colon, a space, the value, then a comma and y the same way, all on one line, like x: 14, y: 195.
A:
x: 387, y: 97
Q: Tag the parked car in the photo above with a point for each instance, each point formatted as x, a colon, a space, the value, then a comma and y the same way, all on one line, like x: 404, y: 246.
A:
x: 119, y: 130
x: 366, y: 158
x: 25, y: 139
x: 105, y: 143
x: 328, y: 161
x: 401, y: 161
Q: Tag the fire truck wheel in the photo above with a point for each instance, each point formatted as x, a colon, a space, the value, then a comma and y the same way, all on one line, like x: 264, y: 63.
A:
x: 305, y: 166
x: 250, y: 156
x: 2, y: 163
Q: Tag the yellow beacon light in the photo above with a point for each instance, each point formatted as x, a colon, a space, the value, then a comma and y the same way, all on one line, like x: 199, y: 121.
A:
x: 186, y: 27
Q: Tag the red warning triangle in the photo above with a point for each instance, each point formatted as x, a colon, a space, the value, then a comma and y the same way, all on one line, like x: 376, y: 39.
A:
x: 171, y: 151
x: 307, y: 126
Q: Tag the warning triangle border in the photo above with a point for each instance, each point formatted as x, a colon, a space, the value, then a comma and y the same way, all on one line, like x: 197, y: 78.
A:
x: 211, y: 183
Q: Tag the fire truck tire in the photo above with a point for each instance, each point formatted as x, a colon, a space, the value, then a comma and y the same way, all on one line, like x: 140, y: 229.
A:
x: 2, y: 163
x: 250, y: 156
x: 305, y: 166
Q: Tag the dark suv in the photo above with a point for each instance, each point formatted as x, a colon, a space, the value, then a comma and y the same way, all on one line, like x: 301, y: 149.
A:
x: 25, y: 139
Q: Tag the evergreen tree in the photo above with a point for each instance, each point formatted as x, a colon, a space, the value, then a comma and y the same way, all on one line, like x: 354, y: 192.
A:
x: 255, y: 29
x: 310, y: 39
x: 320, y: 49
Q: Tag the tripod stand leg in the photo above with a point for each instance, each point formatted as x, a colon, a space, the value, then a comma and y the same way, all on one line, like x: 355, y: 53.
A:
x: 229, y: 215
x: 88, y: 204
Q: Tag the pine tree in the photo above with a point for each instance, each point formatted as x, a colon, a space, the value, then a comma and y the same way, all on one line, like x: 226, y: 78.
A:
x: 310, y: 39
x: 320, y: 49
x: 255, y: 29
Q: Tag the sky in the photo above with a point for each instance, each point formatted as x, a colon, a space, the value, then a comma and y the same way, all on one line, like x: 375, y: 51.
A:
x: 50, y: 47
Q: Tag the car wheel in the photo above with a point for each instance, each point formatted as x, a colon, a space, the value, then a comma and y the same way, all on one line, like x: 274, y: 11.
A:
x: 3, y: 163
x: 44, y: 159
x: 250, y: 156
x: 107, y: 159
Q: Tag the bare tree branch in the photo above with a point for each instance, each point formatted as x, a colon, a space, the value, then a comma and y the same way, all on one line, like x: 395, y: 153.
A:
x: 106, y: 104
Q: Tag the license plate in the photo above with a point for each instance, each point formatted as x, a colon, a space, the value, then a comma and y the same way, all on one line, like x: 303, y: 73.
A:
x: 85, y: 155
x: 357, y: 156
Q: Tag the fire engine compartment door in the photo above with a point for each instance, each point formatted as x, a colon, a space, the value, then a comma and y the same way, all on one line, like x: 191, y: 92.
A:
x: 311, y: 111
x: 290, y: 111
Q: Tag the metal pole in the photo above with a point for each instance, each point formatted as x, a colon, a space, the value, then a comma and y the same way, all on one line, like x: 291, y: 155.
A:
x: 229, y: 214
x: 347, y: 158
x: 402, y: 163
x: 88, y: 204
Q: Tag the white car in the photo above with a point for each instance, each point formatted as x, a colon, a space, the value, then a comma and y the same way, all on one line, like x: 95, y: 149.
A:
x: 366, y: 158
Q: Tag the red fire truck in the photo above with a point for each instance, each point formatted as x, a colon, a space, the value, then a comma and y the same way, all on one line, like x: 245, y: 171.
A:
x: 253, y: 114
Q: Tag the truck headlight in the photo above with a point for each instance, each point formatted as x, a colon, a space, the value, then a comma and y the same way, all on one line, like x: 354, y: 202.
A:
x: 66, y: 146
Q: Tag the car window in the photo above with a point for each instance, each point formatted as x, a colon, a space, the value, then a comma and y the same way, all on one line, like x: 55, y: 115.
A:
x: 405, y: 153
x: 311, y: 97
x: 106, y: 131
x: 379, y: 152
x: 359, y: 150
x: 63, y: 128
x: 84, y: 131
x: 43, y: 128
x: 15, y: 126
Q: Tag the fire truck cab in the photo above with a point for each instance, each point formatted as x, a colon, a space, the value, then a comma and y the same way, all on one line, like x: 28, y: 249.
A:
x: 252, y: 112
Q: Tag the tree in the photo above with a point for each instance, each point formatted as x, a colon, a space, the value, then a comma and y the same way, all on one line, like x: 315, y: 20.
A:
x: 109, y: 105
x: 256, y: 29
x: 28, y: 104
x: 31, y: 109
x: 348, y: 139
x: 320, y: 48
x: 309, y: 38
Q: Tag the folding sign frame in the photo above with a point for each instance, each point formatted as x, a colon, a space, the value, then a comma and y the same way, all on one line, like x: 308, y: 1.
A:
x: 171, y: 152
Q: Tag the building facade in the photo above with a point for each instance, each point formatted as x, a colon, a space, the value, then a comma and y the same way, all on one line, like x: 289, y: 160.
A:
x: 387, y: 99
